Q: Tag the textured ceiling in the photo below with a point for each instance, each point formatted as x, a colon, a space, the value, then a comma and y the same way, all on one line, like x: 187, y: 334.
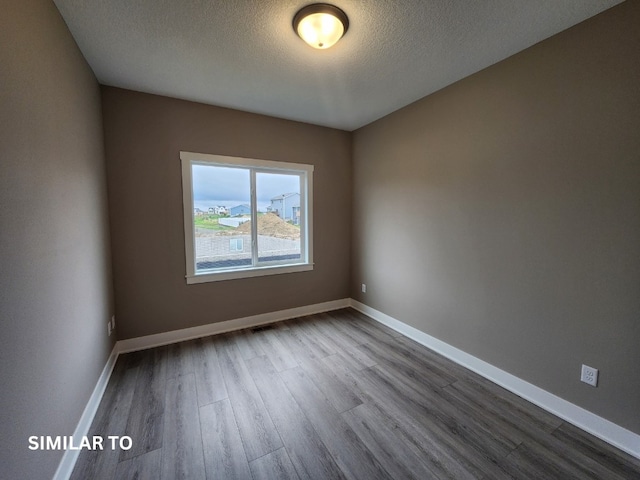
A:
x: 245, y: 55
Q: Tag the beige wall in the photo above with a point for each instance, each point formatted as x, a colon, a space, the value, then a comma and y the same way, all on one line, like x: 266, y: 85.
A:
x: 502, y: 214
x: 55, y: 283
x: 144, y: 135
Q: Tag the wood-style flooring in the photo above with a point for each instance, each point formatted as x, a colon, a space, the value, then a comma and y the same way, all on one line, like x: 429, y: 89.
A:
x: 329, y: 396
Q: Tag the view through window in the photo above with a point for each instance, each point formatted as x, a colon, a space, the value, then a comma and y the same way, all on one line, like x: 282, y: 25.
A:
x: 245, y: 215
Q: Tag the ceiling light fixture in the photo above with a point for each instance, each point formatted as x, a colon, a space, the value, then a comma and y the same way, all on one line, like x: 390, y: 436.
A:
x: 320, y: 25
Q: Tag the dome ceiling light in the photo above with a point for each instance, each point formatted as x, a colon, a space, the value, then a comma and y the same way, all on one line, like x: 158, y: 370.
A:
x: 320, y: 25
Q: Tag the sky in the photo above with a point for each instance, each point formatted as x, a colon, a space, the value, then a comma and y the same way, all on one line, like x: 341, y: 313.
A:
x: 229, y: 187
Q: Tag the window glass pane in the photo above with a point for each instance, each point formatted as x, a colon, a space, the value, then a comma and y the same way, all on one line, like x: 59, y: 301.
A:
x: 222, y: 214
x: 279, y: 220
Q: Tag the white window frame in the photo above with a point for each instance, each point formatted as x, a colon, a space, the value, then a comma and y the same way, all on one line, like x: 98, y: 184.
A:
x: 255, y: 166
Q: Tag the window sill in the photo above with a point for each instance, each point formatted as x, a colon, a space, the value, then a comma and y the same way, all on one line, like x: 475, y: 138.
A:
x: 247, y: 273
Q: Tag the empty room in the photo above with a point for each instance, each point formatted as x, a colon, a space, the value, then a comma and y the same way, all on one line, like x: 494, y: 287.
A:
x: 290, y: 240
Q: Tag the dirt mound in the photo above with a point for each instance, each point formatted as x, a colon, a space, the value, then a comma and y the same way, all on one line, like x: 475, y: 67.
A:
x: 271, y: 225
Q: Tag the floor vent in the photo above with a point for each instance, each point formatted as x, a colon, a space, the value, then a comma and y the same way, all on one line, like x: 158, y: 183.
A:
x: 262, y: 328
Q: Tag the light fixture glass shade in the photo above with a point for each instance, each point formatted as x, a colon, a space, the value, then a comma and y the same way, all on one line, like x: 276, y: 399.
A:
x: 320, y: 25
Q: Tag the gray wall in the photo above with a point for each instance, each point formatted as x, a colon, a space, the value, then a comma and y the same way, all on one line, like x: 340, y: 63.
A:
x: 144, y: 135
x: 502, y: 214
x: 55, y: 283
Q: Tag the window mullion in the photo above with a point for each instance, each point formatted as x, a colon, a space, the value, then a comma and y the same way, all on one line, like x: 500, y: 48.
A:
x: 254, y: 220
x: 303, y: 218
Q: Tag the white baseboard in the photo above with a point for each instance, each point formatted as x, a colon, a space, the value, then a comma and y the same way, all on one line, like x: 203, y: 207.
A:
x: 65, y: 468
x: 158, y: 339
x: 611, y: 433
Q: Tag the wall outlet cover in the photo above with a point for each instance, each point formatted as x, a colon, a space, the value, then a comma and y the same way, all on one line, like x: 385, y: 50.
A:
x: 589, y: 375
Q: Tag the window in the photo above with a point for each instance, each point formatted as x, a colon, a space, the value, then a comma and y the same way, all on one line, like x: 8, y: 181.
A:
x: 236, y: 244
x: 222, y: 196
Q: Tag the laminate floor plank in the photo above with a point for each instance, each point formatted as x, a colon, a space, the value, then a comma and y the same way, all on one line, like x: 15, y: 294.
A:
x: 145, y: 421
x: 280, y: 356
x: 435, y: 359
x: 133, y: 359
x: 408, y: 366
x: 572, y: 459
x: 368, y: 320
x: 368, y: 330
x: 499, y: 400
x: 396, y: 458
x: 524, y: 425
x: 509, y: 401
x: 328, y: 396
x: 348, y: 372
x: 358, y: 358
x: 437, y: 458
x: 522, y: 466
x: 110, y: 419
x: 532, y: 459
x: 327, y: 335
x: 341, y: 342
x: 259, y: 435
x: 440, y: 361
x: 496, y: 422
x: 224, y: 455
x: 618, y: 462
x: 182, y: 453
x: 308, y: 454
x: 441, y: 457
x: 338, y: 341
x: 323, y: 323
x: 339, y: 395
x: 485, y: 389
x: 466, y: 444
x: 345, y: 325
x: 274, y: 465
x: 179, y: 359
x: 209, y: 382
x: 373, y: 328
x: 438, y: 412
x: 502, y: 422
x: 147, y: 466
x: 300, y: 333
x: 583, y: 462
x: 295, y: 345
x: 310, y: 335
x: 353, y: 458
x: 246, y: 345
x: 400, y: 353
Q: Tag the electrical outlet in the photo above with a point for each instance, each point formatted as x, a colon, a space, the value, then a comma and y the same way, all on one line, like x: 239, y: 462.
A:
x: 113, y: 322
x: 364, y: 288
x: 109, y: 327
x: 589, y: 375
